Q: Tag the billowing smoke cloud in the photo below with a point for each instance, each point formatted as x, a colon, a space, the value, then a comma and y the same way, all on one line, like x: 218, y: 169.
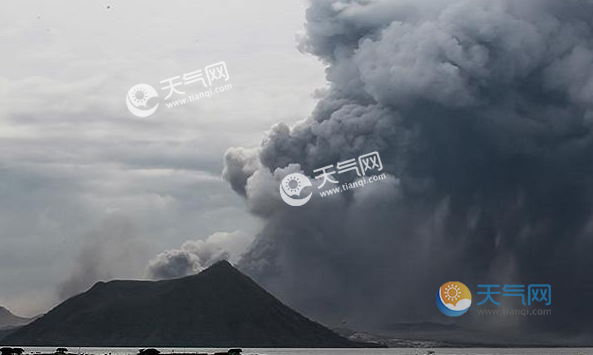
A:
x: 111, y: 250
x: 196, y: 255
x: 481, y: 111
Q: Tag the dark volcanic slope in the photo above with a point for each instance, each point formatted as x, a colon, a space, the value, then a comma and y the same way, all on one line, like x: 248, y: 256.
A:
x: 219, y: 307
x: 7, y: 319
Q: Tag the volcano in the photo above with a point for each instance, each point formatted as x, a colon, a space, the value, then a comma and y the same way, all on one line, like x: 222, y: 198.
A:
x: 7, y: 319
x: 219, y: 307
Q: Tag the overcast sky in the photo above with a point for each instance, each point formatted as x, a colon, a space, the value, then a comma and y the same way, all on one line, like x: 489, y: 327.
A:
x: 480, y: 109
x: 88, y: 191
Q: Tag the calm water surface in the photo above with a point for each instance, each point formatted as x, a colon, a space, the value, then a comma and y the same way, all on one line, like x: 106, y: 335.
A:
x: 247, y: 351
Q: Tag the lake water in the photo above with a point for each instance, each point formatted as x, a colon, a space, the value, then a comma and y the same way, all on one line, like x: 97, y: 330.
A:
x: 247, y: 351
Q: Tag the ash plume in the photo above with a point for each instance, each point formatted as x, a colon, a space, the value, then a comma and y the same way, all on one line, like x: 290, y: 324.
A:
x: 196, y: 255
x: 481, y: 112
x: 113, y: 249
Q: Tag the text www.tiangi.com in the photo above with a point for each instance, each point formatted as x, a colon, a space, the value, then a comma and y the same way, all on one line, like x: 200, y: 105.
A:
x: 200, y: 95
x: 349, y: 186
x: 514, y: 312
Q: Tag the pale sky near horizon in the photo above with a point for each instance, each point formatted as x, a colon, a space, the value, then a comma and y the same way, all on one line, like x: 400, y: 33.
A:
x: 79, y: 172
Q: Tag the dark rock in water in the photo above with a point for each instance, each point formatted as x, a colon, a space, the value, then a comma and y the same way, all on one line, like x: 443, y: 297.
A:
x: 11, y: 351
x: 149, y: 352
x: 220, y: 307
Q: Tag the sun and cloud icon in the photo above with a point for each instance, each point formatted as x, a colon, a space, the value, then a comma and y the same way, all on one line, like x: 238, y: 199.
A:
x: 454, y: 298
x: 292, y: 185
x: 137, y: 99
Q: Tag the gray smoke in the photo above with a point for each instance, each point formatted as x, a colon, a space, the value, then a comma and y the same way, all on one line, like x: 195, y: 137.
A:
x: 196, y: 255
x: 111, y: 250
x: 481, y: 111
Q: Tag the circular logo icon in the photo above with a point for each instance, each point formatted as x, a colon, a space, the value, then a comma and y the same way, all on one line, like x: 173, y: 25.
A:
x: 454, y: 298
x: 292, y: 185
x: 138, y: 96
